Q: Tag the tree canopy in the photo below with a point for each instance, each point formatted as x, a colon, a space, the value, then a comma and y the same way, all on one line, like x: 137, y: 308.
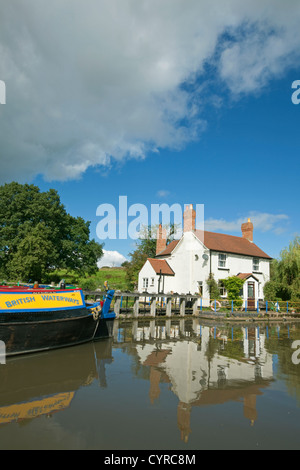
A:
x: 285, y: 274
x: 37, y: 235
x: 233, y: 286
x: 145, y: 248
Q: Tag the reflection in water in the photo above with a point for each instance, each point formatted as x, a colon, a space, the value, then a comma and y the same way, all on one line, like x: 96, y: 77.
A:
x: 45, y: 383
x: 202, y: 365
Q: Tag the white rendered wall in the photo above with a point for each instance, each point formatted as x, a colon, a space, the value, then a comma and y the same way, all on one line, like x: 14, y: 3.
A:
x: 190, y: 268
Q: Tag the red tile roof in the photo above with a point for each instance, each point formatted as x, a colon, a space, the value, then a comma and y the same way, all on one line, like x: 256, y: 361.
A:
x: 161, y: 266
x: 169, y: 248
x: 223, y: 243
x: 245, y: 276
x: 231, y: 244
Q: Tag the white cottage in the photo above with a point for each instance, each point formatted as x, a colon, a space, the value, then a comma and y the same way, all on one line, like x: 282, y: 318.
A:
x: 183, y: 266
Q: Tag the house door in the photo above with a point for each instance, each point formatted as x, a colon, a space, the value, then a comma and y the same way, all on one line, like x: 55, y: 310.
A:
x: 251, y: 296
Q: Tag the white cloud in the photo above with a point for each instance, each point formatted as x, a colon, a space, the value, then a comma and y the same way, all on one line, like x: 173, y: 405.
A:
x: 95, y: 80
x: 162, y: 193
x: 258, y: 54
x: 111, y: 259
x: 262, y: 222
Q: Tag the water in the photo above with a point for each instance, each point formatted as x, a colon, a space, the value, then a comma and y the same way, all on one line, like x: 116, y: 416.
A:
x: 167, y: 384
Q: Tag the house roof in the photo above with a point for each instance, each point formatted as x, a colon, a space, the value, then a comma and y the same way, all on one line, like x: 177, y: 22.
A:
x: 161, y: 266
x: 245, y: 276
x: 170, y: 247
x: 231, y: 244
x: 224, y: 243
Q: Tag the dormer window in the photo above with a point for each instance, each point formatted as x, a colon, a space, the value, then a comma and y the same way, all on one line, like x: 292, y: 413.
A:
x: 255, y: 264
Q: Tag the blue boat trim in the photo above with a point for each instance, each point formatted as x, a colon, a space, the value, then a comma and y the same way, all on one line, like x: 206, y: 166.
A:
x: 30, y: 330
x: 105, y: 313
x: 43, y: 310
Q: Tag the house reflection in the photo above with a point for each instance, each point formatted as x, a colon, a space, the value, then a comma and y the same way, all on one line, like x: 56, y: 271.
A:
x: 204, y: 365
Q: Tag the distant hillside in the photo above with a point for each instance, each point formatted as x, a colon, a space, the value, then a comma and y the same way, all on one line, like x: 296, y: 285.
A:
x: 115, y: 277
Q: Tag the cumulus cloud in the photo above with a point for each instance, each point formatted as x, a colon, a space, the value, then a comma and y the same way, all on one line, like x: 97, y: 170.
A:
x: 93, y: 81
x: 263, y: 222
x: 111, y: 259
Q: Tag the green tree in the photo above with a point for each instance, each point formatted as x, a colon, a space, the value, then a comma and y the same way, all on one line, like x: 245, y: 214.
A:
x: 32, y: 255
x: 285, y: 274
x: 37, y: 235
x: 145, y: 248
x: 213, y: 287
x: 233, y: 286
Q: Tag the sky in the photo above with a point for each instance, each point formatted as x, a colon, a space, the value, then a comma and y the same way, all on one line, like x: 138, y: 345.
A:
x: 164, y: 102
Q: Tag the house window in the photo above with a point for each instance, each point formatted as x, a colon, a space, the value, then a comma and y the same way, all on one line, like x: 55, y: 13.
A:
x: 145, y: 283
x: 255, y: 264
x: 152, y: 282
x: 222, y: 289
x: 222, y: 261
x: 200, y: 287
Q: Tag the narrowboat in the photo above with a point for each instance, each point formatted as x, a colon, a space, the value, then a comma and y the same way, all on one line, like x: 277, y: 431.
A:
x: 34, y: 320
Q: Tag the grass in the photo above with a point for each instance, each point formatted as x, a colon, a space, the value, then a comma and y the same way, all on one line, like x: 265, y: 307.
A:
x: 115, y: 277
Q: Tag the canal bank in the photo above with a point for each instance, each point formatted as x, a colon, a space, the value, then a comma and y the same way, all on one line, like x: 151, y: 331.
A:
x: 140, y: 305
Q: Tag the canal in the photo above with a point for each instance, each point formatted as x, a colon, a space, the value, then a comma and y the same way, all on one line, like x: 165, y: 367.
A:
x: 162, y: 384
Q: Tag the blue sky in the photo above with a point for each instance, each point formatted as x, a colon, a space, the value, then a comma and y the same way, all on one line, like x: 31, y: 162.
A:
x: 215, y: 124
x: 246, y: 162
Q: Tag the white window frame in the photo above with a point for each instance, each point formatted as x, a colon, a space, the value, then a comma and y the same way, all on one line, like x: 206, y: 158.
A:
x: 222, y: 260
x: 145, y: 283
x: 222, y: 289
x: 255, y: 265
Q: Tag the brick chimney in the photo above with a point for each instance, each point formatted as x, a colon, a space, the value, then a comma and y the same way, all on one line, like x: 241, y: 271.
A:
x: 189, y: 219
x: 247, y: 230
x: 161, y: 241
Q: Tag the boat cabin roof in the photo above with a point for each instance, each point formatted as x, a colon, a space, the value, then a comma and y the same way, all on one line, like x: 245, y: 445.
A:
x: 22, y: 289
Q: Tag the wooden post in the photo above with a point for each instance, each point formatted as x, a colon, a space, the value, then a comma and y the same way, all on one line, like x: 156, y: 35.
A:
x: 168, y: 328
x: 153, y: 307
x: 195, y: 306
x: 116, y: 330
x: 117, y: 307
x: 182, y: 303
x: 134, y: 330
x: 169, y: 306
x: 136, y: 306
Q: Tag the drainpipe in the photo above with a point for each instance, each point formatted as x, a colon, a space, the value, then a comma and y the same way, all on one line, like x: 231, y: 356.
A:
x: 159, y: 281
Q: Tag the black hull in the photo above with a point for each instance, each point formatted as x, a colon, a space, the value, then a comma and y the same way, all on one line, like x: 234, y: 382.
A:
x: 104, y: 329
x: 35, y: 332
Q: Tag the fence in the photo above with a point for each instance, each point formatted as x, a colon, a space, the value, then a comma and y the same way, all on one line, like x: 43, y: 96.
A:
x: 143, y: 304
x: 254, y: 306
x: 149, y: 304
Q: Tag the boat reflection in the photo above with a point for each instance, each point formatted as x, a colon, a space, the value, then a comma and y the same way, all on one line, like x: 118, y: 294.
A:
x: 45, y: 383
